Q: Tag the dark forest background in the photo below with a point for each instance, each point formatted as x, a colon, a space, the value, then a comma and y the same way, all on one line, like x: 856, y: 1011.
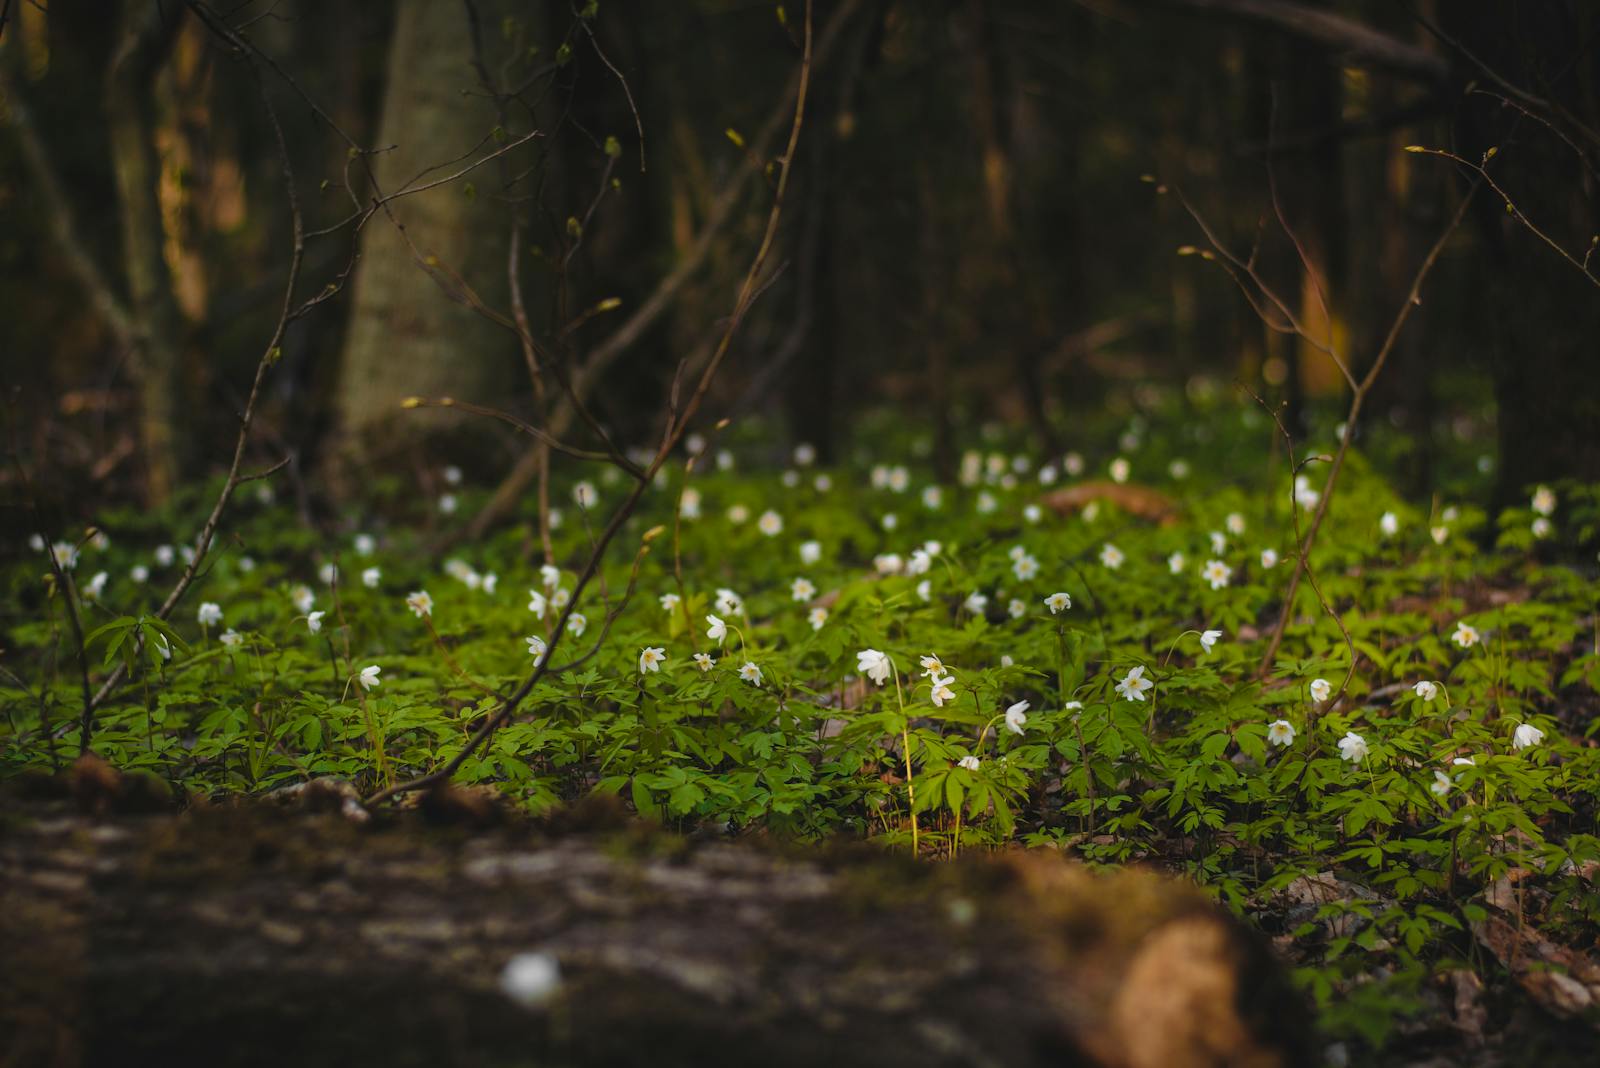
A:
x: 984, y: 220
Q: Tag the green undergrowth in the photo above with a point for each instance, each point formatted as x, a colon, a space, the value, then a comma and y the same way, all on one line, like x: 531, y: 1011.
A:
x: 1136, y: 743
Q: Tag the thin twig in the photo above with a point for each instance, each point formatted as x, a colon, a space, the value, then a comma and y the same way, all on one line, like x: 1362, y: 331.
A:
x: 269, y: 356
x: 508, y: 709
x: 1357, y: 399
x: 1481, y: 170
x: 721, y: 211
x: 64, y: 584
x: 1302, y: 562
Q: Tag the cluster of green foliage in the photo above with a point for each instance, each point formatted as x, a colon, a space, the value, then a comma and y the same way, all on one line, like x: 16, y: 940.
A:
x: 1188, y: 776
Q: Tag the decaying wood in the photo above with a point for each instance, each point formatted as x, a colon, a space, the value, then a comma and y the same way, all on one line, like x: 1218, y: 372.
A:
x: 277, y: 935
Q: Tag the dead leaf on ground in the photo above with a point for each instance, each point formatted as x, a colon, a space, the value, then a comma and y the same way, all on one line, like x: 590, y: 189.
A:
x: 1562, y: 980
x: 1140, y: 501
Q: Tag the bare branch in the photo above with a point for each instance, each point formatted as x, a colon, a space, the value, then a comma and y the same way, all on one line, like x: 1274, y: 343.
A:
x: 1484, y: 177
x: 269, y: 357
x: 1353, y: 41
x: 607, y: 352
x: 1412, y: 299
x: 625, y: 510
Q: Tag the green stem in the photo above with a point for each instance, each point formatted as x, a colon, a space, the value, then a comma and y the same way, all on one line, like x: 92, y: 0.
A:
x: 905, y: 741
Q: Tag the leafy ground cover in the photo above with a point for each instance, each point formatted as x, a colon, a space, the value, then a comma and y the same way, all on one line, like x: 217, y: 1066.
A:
x: 1057, y: 652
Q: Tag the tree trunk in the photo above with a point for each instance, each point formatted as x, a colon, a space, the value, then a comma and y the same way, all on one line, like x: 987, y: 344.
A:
x: 144, y: 39
x: 413, y: 328
x: 1540, y: 315
x: 250, y: 936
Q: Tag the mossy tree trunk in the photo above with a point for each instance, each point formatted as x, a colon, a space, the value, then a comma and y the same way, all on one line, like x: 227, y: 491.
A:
x: 417, y: 324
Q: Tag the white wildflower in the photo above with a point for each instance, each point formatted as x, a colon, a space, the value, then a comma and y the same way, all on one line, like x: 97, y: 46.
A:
x: 1353, y: 747
x: 1544, y: 501
x: 875, y: 664
x: 1526, y: 735
x: 1134, y: 684
x: 1017, y: 717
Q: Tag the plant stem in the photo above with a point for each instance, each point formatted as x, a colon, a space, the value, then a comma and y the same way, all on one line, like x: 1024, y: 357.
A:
x: 905, y: 741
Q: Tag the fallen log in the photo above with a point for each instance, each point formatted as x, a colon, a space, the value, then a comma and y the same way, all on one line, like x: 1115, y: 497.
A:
x: 258, y: 935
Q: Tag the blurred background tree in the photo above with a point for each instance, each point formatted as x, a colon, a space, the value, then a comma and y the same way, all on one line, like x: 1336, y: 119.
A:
x: 969, y: 237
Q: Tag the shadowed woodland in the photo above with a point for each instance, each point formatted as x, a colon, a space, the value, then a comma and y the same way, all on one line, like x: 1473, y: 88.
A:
x: 1063, y: 521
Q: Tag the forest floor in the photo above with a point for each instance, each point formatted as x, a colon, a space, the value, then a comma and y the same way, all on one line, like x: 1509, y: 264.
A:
x: 1074, y: 661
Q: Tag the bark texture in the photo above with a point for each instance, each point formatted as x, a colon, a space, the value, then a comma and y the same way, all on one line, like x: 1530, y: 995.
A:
x: 261, y: 936
x: 414, y: 330
x: 145, y: 38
